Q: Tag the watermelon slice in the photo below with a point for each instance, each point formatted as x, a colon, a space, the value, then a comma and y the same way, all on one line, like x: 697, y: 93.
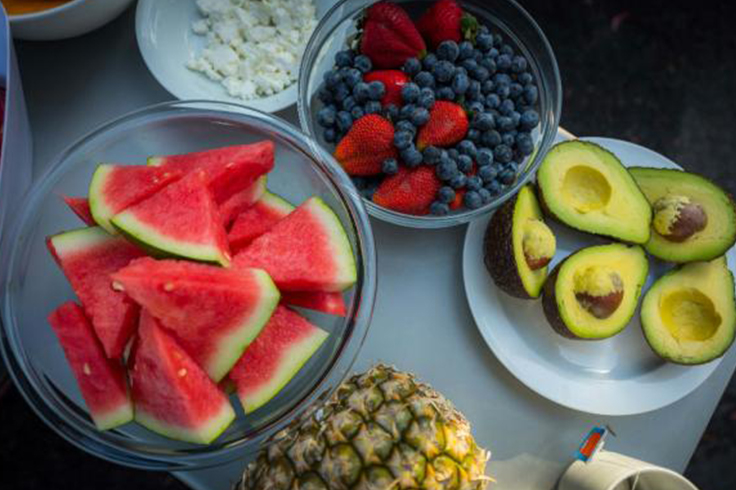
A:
x: 88, y: 256
x: 269, y: 363
x: 214, y: 313
x: 117, y: 187
x: 306, y: 251
x: 241, y: 201
x: 80, y: 207
x: 257, y: 220
x: 330, y: 303
x: 181, y: 220
x: 173, y: 396
x: 230, y: 169
x: 101, y: 380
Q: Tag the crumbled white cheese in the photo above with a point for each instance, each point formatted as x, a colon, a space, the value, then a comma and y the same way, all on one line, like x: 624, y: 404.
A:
x: 254, y: 47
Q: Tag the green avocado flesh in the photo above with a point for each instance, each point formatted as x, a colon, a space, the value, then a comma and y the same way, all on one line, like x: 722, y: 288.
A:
x: 719, y: 233
x: 504, y: 255
x: 587, y: 188
x: 689, y: 315
x: 562, y: 307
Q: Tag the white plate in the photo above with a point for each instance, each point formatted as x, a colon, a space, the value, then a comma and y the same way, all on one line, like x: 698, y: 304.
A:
x: 167, y: 43
x: 617, y: 376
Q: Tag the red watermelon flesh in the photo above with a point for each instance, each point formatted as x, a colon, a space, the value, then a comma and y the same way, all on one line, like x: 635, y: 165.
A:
x: 80, y: 207
x: 173, y: 396
x: 213, y: 312
x: 181, y: 220
x: 330, y: 303
x: 117, y: 187
x: 276, y: 356
x: 241, y: 201
x: 88, y: 256
x: 308, y: 250
x: 101, y: 380
x: 231, y: 169
x: 257, y: 220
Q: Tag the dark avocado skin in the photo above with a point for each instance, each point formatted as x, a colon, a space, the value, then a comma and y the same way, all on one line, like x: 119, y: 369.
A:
x: 549, y: 305
x: 498, y: 251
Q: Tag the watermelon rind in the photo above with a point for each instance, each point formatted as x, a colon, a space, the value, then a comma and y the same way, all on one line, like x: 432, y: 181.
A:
x: 346, y: 274
x: 160, y: 245
x: 292, y: 360
x: 80, y: 239
x: 232, y: 346
x: 203, y: 434
x: 115, y: 418
x: 101, y: 211
x: 276, y: 202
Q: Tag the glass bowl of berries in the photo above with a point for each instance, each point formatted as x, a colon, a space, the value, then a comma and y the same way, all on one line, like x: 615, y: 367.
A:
x: 438, y: 110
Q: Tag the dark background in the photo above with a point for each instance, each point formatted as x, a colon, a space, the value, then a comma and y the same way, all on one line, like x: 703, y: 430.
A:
x: 658, y: 73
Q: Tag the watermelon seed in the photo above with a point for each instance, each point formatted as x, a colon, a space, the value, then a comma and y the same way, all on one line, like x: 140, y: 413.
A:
x: 117, y: 286
x: 169, y: 286
x: 86, y: 369
x: 182, y: 372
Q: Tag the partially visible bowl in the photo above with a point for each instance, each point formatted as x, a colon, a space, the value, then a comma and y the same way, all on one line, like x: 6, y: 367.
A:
x: 167, y: 43
x: 34, y: 286
x: 505, y: 16
x: 71, y: 19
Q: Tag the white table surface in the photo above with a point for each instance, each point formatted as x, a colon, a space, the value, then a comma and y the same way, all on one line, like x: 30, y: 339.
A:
x: 421, y: 323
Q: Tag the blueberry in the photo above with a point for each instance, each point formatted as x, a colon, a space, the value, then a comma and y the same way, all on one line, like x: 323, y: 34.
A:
x: 368, y: 192
x: 446, y: 93
x: 516, y: 119
x: 352, y: 77
x: 473, y: 135
x: 503, y: 62
x: 405, y: 125
x: 507, y: 50
x: 326, y: 116
x: 412, y: 66
x: 487, y: 173
x: 473, y: 183
x: 529, y: 119
x: 357, y: 112
x: 480, y: 74
x: 390, y: 166
x: 432, y: 155
x: 512, y: 166
x: 472, y: 200
x: 484, y: 41
x: 502, y: 79
x: 503, y: 153
x: 403, y: 139
x: 518, y: 64
x: 361, y: 92
x: 507, y: 107
x: 372, y: 107
x: 483, y: 121
x: 508, y: 139
x: 469, y: 64
x: 429, y: 61
x: 483, y: 29
x: 332, y: 78
x: 478, y: 56
x: 459, y: 70
x: 485, y: 196
x: 446, y: 170
x: 473, y: 92
x: 491, y: 139
x: 515, y: 90
x: 531, y: 94
x: 330, y: 136
x: 424, y: 79
x: 363, y: 63
x: 525, y: 144
x: 487, y: 87
x: 426, y: 98
x: 406, y: 111
x: 492, y: 53
x: 360, y: 182
x: 489, y: 64
x: 493, y: 101
x: 507, y: 177
x: 484, y: 157
x: 476, y: 106
x: 325, y: 95
x: 439, y: 208
x: 503, y: 91
x: 467, y: 147
x: 411, y: 156
x: 348, y: 103
x: 464, y: 163
x: 453, y: 153
x: 460, y: 83
x: 410, y: 92
x: 391, y: 112
x: 525, y: 78
x: 448, y: 50
x: 376, y: 90
x: 344, y: 120
x: 494, y: 187
x: 344, y: 58
x: 446, y: 194
x: 420, y: 116
x: 340, y: 92
x: 497, y: 40
x: 458, y: 181
x: 443, y: 71
x: 465, y: 50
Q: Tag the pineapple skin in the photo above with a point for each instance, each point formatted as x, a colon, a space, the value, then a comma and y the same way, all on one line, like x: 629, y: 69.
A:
x: 382, y: 430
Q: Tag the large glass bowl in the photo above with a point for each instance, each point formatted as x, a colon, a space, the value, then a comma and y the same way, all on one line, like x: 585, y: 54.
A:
x: 505, y: 16
x: 34, y: 286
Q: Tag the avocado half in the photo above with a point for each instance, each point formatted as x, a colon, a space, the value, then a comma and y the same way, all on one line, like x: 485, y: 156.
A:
x: 593, y: 293
x: 587, y: 188
x: 694, y: 219
x: 518, y: 245
x: 689, y: 315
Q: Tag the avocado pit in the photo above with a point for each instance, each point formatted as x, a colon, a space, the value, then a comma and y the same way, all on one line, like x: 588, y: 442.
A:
x: 599, y: 290
x: 538, y: 243
x: 677, y: 218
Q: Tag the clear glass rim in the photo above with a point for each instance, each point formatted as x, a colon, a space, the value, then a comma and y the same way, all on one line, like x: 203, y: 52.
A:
x: 549, y: 129
x: 197, y: 457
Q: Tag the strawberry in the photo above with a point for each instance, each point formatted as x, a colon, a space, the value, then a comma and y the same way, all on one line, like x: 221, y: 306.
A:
x: 390, y: 37
x: 368, y: 143
x: 445, y: 21
x: 448, y: 124
x: 410, y: 191
x: 393, y: 80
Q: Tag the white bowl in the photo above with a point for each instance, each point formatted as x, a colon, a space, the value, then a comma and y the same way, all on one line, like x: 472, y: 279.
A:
x: 167, y: 43
x: 71, y: 19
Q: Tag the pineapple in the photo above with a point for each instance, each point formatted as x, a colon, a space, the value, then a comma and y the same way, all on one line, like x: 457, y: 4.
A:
x: 382, y: 430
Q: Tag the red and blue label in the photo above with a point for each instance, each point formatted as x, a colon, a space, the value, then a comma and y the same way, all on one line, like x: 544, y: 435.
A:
x: 592, y: 443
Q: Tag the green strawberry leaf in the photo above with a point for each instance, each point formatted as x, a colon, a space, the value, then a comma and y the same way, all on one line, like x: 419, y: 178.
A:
x: 469, y: 27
